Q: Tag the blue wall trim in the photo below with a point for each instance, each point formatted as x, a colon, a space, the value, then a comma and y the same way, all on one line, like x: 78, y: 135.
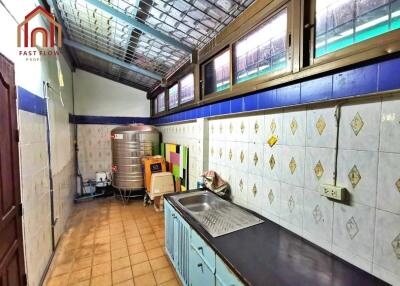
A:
x: 112, y: 120
x: 30, y: 102
x: 360, y: 81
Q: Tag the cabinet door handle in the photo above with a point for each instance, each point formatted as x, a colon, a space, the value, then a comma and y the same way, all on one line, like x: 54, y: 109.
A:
x: 200, y: 248
x: 200, y: 265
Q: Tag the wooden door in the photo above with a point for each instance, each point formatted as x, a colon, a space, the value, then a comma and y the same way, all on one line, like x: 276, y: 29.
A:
x: 12, y: 270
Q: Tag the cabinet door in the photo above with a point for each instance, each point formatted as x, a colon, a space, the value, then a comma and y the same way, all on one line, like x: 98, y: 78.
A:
x: 169, y: 229
x: 224, y: 276
x: 200, y: 274
x: 183, y: 248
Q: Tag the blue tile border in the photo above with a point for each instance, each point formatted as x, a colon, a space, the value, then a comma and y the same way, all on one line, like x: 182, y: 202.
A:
x: 112, y: 120
x: 30, y: 102
x: 360, y: 81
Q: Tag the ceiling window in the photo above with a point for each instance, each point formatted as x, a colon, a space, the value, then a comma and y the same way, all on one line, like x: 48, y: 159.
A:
x: 217, y: 73
x: 160, y: 102
x: 173, y: 96
x: 341, y: 23
x: 187, y: 88
x: 263, y: 51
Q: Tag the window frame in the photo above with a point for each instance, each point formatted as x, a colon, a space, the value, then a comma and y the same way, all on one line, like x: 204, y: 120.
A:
x: 289, y: 53
x: 203, y: 71
x: 156, y: 100
x: 180, y: 103
x: 373, y: 47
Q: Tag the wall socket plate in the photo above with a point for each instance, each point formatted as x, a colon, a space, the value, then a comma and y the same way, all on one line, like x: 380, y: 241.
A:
x: 333, y: 192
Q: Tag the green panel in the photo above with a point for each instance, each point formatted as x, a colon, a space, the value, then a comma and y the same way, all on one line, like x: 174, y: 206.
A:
x: 163, y: 149
x: 175, y: 171
x: 185, y: 153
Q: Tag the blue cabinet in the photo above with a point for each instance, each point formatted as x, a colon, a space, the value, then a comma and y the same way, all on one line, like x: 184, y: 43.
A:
x: 177, y: 241
x: 200, y: 273
x: 193, y: 259
x: 224, y: 276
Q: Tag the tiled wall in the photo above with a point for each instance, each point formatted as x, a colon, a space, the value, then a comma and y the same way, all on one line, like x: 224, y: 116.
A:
x: 195, y: 136
x: 94, y: 143
x: 281, y: 182
x: 35, y: 193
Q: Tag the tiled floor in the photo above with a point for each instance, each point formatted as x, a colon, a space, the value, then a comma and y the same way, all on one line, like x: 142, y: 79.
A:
x: 107, y: 243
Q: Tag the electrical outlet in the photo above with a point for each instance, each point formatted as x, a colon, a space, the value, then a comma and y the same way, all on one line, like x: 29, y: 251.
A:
x: 333, y: 192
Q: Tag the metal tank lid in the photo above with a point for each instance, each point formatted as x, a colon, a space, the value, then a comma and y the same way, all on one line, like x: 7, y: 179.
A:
x: 135, y: 127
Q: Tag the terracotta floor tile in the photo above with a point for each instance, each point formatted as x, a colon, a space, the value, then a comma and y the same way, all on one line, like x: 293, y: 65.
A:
x: 81, y: 263
x: 61, y: 280
x: 173, y: 282
x: 118, y: 253
x: 126, y: 283
x: 102, y: 248
x: 145, y: 280
x: 122, y: 275
x: 164, y: 274
x: 120, y: 263
x: 80, y: 275
x: 155, y: 252
x: 159, y: 263
x: 141, y: 268
x: 83, y: 252
x: 138, y: 258
x: 101, y: 258
x: 133, y: 240
x: 151, y: 244
x: 147, y: 230
x: 101, y: 269
x: 133, y: 249
x: 130, y: 234
x: 148, y: 237
x: 118, y: 244
x: 81, y: 283
x: 61, y: 269
x: 103, y: 280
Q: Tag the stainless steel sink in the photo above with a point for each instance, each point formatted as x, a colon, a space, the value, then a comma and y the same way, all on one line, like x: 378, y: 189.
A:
x: 216, y: 215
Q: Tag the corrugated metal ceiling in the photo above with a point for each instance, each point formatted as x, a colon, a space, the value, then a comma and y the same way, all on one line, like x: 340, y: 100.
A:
x: 191, y: 22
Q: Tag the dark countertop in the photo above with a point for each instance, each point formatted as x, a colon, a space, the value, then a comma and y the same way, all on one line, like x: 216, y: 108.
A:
x: 268, y: 254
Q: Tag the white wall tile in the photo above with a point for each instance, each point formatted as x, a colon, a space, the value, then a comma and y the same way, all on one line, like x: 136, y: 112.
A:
x: 294, y: 127
x: 254, y: 193
x: 256, y: 159
x: 320, y: 167
x: 271, y: 199
x: 273, y: 162
x: 321, y: 127
x: 387, y: 242
x: 359, y: 126
x: 363, y: 166
x: 291, y: 210
x: 353, y: 234
x: 389, y: 182
x: 242, y: 156
x: 390, y: 125
x: 318, y: 219
x: 293, y: 165
x: 273, y: 124
x: 257, y: 129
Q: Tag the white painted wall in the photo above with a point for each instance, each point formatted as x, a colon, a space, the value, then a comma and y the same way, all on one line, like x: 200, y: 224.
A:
x: 98, y: 96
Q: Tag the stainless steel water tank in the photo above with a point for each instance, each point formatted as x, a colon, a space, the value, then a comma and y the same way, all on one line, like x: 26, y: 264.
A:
x: 129, y: 144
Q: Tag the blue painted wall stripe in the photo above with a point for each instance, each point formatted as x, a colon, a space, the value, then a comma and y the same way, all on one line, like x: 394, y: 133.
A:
x: 360, y: 81
x: 112, y: 120
x: 30, y: 102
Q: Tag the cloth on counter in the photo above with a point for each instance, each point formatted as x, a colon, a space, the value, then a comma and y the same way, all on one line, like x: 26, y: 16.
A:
x: 214, y: 182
